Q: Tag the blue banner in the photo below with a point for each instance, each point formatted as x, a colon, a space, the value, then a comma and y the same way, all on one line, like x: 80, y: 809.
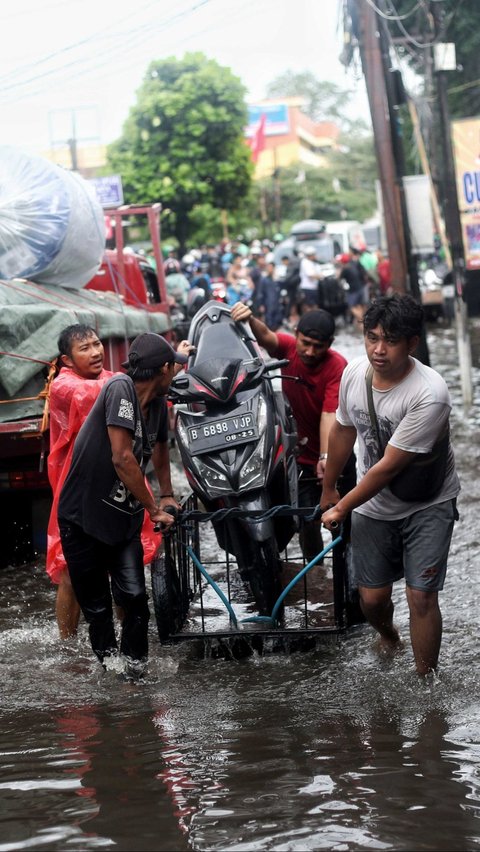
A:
x: 276, y: 119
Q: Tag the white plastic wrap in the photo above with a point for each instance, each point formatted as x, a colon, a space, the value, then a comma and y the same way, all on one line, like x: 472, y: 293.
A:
x: 52, y: 226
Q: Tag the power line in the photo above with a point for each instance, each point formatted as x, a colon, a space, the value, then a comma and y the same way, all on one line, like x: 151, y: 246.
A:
x: 127, y: 37
x: 396, y: 17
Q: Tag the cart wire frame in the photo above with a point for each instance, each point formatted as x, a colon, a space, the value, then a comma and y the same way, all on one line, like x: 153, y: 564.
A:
x: 192, y: 616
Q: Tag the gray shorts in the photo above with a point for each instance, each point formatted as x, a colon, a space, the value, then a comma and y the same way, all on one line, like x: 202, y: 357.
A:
x: 415, y: 548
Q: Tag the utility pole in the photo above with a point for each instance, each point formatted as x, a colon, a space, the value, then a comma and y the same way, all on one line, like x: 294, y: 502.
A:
x: 395, y: 96
x: 384, y: 93
x: 373, y: 71
x: 63, y: 130
x: 450, y: 206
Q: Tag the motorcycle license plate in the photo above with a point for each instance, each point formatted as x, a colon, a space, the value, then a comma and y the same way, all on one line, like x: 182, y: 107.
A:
x: 223, y: 434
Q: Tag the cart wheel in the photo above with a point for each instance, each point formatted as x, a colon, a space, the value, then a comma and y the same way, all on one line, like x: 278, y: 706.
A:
x: 167, y: 601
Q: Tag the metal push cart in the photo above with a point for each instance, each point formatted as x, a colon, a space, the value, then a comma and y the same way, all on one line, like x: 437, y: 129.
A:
x: 199, y: 596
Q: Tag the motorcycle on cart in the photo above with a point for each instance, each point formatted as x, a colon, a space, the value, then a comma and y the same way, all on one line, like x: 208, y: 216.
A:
x: 237, y: 440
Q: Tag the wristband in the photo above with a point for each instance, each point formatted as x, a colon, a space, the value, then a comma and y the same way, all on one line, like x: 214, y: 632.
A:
x: 322, y: 456
x: 166, y: 495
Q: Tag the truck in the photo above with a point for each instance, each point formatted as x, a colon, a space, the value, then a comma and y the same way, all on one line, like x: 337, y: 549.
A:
x: 125, y: 297
x: 435, y: 285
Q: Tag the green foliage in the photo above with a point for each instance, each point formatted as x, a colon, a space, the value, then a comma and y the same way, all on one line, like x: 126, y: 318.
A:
x: 182, y: 143
x: 344, y: 188
x: 323, y: 100
x: 460, y: 23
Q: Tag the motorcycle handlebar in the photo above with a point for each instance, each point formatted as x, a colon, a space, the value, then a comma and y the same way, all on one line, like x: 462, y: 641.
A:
x: 274, y: 365
x: 171, y: 510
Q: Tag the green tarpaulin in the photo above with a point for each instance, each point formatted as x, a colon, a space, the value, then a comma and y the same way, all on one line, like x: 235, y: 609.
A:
x: 31, y: 319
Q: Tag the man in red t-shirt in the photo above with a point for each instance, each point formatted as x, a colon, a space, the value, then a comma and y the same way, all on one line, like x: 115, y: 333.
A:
x: 312, y: 391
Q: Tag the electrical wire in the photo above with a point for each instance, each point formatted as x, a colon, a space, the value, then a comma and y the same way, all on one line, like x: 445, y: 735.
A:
x: 130, y: 39
x: 30, y: 66
x: 146, y: 32
x: 395, y: 17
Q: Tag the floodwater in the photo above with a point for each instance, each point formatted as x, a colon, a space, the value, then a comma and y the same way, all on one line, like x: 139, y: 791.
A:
x: 333, y: 749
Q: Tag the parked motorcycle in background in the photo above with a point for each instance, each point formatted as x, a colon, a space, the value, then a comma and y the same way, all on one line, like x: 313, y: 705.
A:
x: 437, y: 291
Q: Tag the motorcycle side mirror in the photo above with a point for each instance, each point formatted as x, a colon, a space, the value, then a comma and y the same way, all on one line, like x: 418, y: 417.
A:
x: 180, y: 382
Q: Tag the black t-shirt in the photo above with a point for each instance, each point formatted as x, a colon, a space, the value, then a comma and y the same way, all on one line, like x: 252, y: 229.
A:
x: 354, y: 275
x: 92, y: 495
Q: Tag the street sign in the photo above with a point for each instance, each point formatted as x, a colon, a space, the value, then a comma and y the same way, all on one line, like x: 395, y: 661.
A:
x: 108, y: 190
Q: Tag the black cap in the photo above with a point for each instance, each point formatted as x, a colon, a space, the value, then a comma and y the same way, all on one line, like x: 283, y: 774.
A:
x: 317, y: 324
x: 151, y: 350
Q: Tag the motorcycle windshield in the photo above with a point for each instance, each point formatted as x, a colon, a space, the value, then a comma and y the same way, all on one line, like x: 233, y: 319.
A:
x: 221, y: 375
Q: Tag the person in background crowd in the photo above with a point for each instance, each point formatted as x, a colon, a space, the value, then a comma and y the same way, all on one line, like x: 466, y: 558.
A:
x: 269, y: 295
x: 313, y: 398
x: 176, y: 282
x: 238, y: 281
x: 226, y: 257
x: 394, y: 538
x: 210, y: 262
x: 256, y: 269
x: 291, y: 283
x: 189, y: 265
x: 384, y: 273
x: 369, y: 261
x: 104, y: 496
x: 353, y: 274
x: 310, y: 275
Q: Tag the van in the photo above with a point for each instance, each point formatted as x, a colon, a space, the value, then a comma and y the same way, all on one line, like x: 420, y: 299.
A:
x: 344, y: 234
x: 310, y: 232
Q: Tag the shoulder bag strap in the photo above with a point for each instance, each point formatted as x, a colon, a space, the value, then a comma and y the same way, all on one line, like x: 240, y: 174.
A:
x: 371, y: 409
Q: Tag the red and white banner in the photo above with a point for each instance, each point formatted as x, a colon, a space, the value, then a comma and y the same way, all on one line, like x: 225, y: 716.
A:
x: 256, y: 143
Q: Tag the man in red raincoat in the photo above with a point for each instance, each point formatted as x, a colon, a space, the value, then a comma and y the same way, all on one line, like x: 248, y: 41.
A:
x: 73, y: 394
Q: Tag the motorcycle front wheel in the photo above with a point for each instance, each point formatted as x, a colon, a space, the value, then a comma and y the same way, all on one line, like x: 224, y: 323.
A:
x: 259, y: 566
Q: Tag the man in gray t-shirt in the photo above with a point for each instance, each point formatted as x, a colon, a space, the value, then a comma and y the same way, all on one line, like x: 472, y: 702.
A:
x: 103, y: 498
x: 393, y: 538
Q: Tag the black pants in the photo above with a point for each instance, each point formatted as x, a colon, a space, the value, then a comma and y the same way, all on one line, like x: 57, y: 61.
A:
x: 97, y: 572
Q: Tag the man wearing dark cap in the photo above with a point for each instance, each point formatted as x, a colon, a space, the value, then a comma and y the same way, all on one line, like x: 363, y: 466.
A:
x: 104, y: 496
x: 312, y: 391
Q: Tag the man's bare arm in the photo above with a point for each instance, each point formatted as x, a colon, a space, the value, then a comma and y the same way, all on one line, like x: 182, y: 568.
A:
x: 264, y: 336
x: 392, y: 462
x: 161, y: 465
x: 130, y: 473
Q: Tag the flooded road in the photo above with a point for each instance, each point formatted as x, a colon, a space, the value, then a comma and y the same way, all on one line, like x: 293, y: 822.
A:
x: 331, y: 749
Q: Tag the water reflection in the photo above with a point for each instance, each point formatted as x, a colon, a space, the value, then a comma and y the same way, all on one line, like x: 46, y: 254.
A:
x: 117, y: 766
x: 331, y: 749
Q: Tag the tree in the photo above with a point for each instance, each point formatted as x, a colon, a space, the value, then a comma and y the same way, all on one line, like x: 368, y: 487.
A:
x: 412, y: 29
x: 343, y: 188
x: 323, y: 100
x: 182, y: 143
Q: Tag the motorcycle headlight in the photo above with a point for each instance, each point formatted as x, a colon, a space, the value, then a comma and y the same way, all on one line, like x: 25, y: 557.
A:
x: 252, y: 474
x: 213, y: 481
x: 181, y: 430
x: 261, y: 414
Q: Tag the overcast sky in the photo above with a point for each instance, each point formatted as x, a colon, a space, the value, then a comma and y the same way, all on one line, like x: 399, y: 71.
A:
x: 82, y: 61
